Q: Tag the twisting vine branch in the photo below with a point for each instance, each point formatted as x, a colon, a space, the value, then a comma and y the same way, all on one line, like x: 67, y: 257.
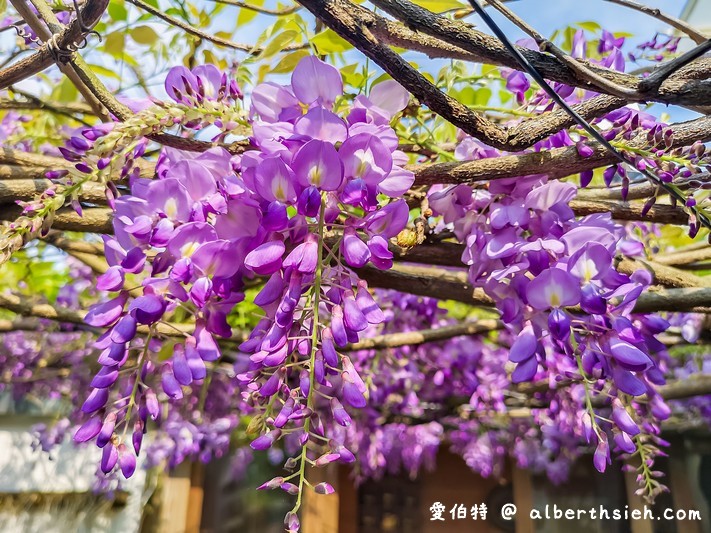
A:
x: 674, y: 22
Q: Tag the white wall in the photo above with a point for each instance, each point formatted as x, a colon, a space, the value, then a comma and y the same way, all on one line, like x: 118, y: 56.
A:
x: 68, y: 470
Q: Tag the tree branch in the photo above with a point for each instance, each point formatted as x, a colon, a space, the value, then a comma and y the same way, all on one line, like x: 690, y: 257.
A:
x: 686, y: 87
x: 25, y: 189
x: 259, y: 9
x: 674, y: 22
x: 45, y: 34
x: 686, y: 256
x: 453, y: 285
x: 23, y: 308
x: 556, y: 162
x: 99, y: 219
x: 414, y: 338
x: 252, y: 50
x: 352, y: 23
x: 664, y: 275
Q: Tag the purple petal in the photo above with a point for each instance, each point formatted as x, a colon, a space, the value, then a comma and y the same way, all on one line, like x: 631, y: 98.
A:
x: 105, y: 314
x: 553, y: 288
x: 147, y: 309
x: 315, y: 81
x: 111, y: 280
x: 96, y: 400
x: 525, y: 371
x: 524, y: 346
x: 88, y: 430
x: 126, y: 460
x: 317, y: 163
x: 389, y: 96
x: 355, y: 251
x: 628, y: 356
x: 181, y: 370
x: 109, y: 457
x: 321, y: 124
x: 351, y: 394
x: 124, y: 330
x: 365, y: 157
x: 623, y: 420
x: 627, y: 382
x: 368, y: 306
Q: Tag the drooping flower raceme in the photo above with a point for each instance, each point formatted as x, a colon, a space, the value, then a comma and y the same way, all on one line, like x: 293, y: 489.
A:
x: 301, y: 210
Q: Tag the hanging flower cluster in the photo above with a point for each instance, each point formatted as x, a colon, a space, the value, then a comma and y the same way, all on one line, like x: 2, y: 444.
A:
x: 554, y: 281
x: 301, y: 209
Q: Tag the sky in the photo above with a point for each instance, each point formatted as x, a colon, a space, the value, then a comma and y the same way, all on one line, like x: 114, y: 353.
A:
x: 549, y: 15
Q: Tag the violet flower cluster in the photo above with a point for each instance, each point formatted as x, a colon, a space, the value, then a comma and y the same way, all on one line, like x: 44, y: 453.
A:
x: 189, y: 240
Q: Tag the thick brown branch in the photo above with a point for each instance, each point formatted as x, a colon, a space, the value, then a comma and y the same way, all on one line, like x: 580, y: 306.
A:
x: 352, y: 23
x: 98, y: 219
x: 11, y: 156
x: 687, y: 256
x: 452, y: 38
x: 93, y: 220
x: 22, y: 307
x: 556, y: 163
x: 427, y: 281
x: 413, y: 338
x: 66, y: 40
x: 56, y: 239
x: 34, y: 103
x: 14, y: 172
x: 664, y: 275
x: 664, y: 214
x: 24, y: 189
x: 695, y: 386
x: 453, y: 285
x: 450, y: 254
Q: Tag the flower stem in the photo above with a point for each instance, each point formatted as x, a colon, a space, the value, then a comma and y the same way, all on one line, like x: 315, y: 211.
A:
x: 314, y: 347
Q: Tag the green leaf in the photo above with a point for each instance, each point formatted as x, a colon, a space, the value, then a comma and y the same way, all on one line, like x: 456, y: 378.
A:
x: 438, y: 6
x: 289, y: 61
x: 483, y: 96
x: 352, y: 75
x: 245, y: 16
x: 590, y: 26
x: 118, y: 11
x: 67, y: 91
x: 114, y: 44
x: 103, y: 71
x: 278, y: 43
x: 166, y: 350
x: 329, y: 42
x: 144, y: 35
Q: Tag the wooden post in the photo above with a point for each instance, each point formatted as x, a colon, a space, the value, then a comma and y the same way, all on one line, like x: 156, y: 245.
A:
x: 175, y: 495
x: 195, y: 498
x: 636, y: 502
x: 523, y: 499
x: 320, y: 511
x: 681, y: 489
